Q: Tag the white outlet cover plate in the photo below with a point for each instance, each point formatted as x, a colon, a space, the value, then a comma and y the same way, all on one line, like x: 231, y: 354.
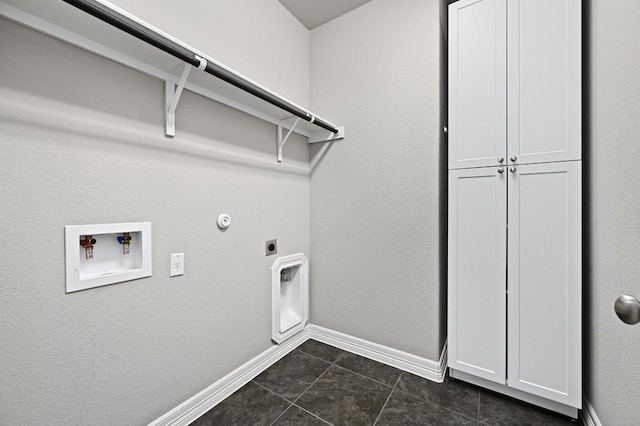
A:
x: 177, y: 265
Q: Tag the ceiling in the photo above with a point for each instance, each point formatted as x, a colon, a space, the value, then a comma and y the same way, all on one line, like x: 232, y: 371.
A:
x: 313, y: 13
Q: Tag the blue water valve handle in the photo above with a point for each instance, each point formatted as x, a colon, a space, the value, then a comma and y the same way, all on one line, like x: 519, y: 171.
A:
x: 120, y: 240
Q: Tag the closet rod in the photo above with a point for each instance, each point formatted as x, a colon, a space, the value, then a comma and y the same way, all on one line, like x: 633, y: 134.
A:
x: 139, y: 31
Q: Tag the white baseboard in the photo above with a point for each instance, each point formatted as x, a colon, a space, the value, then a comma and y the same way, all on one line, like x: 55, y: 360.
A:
x: 432, y: 370
x: 589, y: 417
x: 204, y: 401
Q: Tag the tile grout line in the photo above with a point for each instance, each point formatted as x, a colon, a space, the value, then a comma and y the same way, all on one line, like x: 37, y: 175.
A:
x: 387, y: 401
x: 316, y: 380
x: 272, y: 392
x: 316, y: 356
x: 281, y: 414
x: 451, y: 410
x: 440, y: 406
x: 291, y: 404
x: 348, y: 369
x: 334, y: 363
x: 365, y: 377
x: 293, y: 401
x: 310, y: 413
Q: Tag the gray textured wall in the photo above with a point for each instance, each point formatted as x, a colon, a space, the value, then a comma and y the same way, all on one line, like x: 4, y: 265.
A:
x: 82, y: 142
x: 375, y: 197
x: 612, y: 174
x: 258, y: 38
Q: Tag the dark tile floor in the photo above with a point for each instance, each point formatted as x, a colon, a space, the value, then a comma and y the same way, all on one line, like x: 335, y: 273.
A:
x: 317, y: 384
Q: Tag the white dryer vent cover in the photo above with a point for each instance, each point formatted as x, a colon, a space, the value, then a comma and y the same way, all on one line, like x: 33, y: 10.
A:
x: 290, y: 296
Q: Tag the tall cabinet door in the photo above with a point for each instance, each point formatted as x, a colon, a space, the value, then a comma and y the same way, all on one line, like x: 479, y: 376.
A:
x: 477, y: 272
x: 544, y: 276
x: 477, y: 83
x: 544, y: 91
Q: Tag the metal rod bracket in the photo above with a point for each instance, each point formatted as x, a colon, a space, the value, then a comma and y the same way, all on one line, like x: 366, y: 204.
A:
x: 326, y: 136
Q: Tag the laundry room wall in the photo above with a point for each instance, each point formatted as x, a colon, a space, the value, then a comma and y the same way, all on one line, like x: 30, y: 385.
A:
x: 377, y: 210
x: 82, y: 142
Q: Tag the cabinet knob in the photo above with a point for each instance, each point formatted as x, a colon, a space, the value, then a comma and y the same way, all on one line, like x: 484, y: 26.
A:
x: 514, y: 158
x: 512, y: 169
x: 500, y: 159
x: 500, y: 170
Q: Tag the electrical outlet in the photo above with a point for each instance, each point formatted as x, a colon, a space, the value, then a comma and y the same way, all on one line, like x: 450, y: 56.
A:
x: 177, y: 265
x: 271, y: 247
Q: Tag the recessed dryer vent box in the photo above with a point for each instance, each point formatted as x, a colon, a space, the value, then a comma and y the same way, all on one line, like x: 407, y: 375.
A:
x: 98, y: 255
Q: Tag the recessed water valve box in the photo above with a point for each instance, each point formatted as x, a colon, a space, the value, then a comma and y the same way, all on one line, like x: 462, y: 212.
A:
x: 97, y: 255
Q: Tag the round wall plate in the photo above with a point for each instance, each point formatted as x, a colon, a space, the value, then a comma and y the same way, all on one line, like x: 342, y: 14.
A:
x: 224, y: 221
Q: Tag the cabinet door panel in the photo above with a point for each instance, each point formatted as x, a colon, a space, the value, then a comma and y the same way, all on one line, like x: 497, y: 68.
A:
x: 544, y: 73
x: 477, y: 83
x: 544, y: 281
x: 477, y: 273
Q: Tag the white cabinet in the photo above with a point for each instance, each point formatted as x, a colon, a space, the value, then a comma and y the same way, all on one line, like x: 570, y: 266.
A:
x: 544, y: 75
x: 514, y: 82
x: 514, y: 303
x: 544, y: 281
x: 477, y: 83
x: 477, y: 266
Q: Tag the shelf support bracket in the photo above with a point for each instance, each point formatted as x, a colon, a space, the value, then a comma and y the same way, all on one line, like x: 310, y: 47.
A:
x: 173, y: 91
x: 281, y: 140
x: 326, y: 136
